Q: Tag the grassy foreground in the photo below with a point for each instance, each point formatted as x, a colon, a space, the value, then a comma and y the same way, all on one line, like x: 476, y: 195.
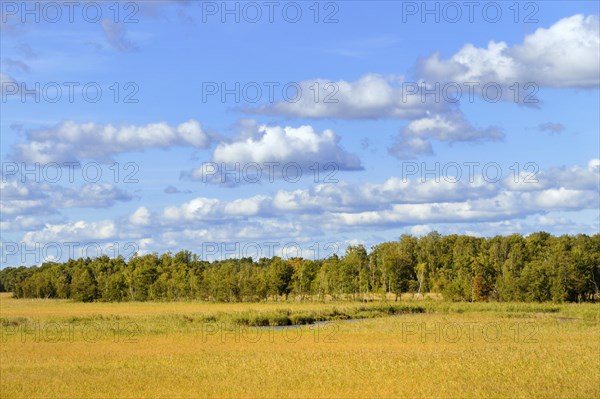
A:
x: 56, y: 348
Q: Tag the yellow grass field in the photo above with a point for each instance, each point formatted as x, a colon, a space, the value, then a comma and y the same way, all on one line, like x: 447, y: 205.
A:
x: 62, y: 349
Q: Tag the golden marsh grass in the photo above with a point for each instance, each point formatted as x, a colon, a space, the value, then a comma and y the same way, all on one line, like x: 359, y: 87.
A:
x: 61, y: 349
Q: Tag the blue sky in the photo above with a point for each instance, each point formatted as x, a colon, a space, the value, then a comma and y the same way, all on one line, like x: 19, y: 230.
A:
x: 534, y: 153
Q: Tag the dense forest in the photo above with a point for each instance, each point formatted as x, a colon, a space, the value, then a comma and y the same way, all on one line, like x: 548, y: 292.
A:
x: 539, y: 267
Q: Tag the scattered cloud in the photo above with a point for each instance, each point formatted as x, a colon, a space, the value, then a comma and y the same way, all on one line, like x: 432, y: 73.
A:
x: 21, y: 223
x: 551, y: 127
x: 415, y: 138
x: 175, y: 190
x: 286, y: 144
x: 31, y: 198
x: 213, y: 210
x: 278, y: 150
x: 76, y: 232
x: 15, y: 65
x: 116, y: 36
x: 72, y: 141
x: 405, y: 147
x: 370, y: 97
x: 141, y: 217
x: 506, y: 205
x: 400, y: 202
x: 5, y: 82
x: 27, y: 51
x: 304, y: 215
x: 563, y: 55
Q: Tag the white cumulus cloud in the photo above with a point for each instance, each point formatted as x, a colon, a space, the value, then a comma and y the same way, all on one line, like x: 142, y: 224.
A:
x: 73, y: 141
x: 563, y: 55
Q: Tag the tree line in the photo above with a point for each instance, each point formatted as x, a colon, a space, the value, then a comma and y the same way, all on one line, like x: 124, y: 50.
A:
x: 539, y: 267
